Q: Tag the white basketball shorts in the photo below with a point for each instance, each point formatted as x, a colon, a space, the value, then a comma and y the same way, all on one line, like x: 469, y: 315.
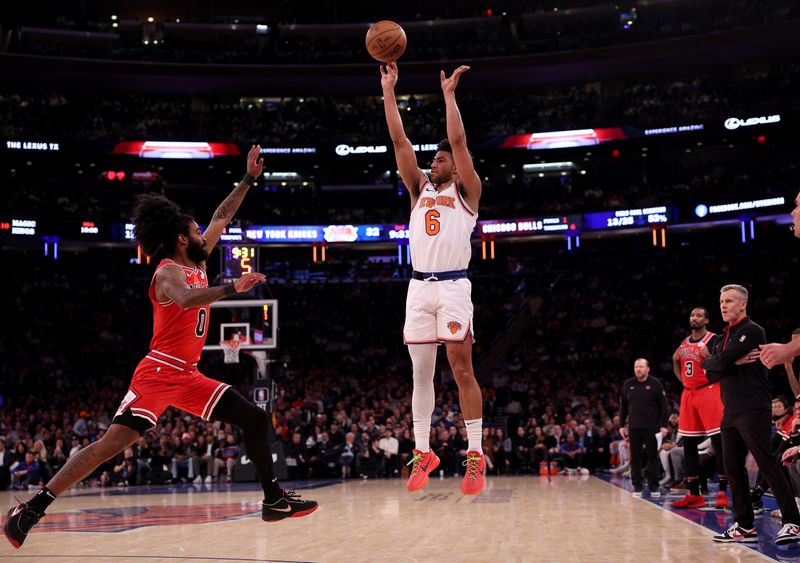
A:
x: 438, y: 311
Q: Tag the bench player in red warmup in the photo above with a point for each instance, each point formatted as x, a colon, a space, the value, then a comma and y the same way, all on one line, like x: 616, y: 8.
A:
x: 444, y: 209
x: 168, y: 375
x: 701, y: 411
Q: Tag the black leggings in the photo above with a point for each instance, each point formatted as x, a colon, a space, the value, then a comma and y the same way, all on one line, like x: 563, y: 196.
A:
x: 690, y: 444
x: 255, y: 424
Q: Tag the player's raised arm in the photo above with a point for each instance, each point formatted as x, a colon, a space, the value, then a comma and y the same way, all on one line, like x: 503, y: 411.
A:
x: 470, y: 182
x: 171, y: 286
x: 227, y: 209
x: 412, y: 176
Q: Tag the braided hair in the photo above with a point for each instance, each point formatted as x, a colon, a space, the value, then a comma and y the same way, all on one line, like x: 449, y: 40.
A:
x: 158, y: 222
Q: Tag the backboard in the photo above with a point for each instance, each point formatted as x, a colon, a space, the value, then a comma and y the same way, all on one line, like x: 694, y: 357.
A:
x: 255, y: 321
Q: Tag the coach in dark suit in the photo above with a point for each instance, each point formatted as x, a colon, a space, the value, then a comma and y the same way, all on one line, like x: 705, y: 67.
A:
x: 644, y: 412
x: 747, y: 417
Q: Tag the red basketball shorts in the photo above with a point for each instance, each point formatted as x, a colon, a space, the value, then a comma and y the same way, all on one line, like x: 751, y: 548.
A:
x: 157, y: 385
x: 701, y: 411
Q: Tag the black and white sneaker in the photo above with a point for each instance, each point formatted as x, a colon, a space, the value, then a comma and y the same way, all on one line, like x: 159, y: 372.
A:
x: 737, y: 534
x: 20, y: 520
x: 290, y: 505
x: 789, y: 533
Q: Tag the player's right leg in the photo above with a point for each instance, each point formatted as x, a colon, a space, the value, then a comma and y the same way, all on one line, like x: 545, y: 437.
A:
x: 419, y: 333
x: 423, y: 460
x: 80, y: 465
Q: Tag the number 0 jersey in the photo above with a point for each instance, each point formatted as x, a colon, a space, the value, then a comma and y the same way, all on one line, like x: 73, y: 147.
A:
x: 692, y: 374
x: 440, y: 229
x: 178, y: 334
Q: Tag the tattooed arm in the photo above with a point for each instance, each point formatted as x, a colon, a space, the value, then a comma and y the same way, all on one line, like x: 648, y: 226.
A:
x: 227, y: 209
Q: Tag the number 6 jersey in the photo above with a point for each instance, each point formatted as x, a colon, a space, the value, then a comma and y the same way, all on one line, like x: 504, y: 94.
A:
x: 440, y: 229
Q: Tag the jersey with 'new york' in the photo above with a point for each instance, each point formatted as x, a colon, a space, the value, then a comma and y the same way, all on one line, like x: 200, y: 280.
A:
x: 440, y: 228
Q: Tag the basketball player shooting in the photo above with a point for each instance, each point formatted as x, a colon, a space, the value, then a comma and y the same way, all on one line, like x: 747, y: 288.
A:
x: 168, y: 374
x: 439, y: 308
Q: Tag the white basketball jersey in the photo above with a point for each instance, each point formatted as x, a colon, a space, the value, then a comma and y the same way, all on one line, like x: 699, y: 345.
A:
x: 440, y: 229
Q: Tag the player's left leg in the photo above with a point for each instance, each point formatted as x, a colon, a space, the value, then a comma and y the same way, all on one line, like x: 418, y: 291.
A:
x: 459, y: 354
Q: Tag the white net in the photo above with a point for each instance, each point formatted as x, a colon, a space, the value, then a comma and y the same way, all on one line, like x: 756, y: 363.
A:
x: 231, y: 350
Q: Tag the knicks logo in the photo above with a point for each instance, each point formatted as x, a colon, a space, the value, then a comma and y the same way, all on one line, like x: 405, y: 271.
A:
x: 442, y: 200
x: 454, y: 326
x: 131, y: 517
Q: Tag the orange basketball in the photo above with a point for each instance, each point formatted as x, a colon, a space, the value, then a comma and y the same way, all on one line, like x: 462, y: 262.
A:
x: 386, y: 41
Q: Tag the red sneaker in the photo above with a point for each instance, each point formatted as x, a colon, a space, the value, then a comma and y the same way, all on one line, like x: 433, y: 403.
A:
x: 422, y: 464
x: 543, y: 468
x: 722, y: 500
x: 690, y: 501
x: 472, y: 483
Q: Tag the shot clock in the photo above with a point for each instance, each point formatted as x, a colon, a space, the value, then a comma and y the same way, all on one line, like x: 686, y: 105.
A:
x: 238, y: 260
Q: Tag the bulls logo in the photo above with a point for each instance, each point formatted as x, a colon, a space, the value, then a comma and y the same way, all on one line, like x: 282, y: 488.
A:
x: 454, y: 327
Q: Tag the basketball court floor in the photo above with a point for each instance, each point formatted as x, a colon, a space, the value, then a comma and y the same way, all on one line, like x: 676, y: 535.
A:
x: 515, y: 519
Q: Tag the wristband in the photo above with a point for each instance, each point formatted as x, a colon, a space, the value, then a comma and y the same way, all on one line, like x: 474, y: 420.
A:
x: 229, y: 289
x: 248, y: 179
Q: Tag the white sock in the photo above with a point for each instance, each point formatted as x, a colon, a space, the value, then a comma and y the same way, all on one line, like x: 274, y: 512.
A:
x: 423, y: 358
x: 475, y: 434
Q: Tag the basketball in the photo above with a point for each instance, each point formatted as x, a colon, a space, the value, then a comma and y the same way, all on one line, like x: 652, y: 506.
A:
x: 386, y: 41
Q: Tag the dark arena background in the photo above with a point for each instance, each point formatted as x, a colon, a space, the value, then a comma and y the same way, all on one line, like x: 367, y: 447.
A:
x: 635, y: 157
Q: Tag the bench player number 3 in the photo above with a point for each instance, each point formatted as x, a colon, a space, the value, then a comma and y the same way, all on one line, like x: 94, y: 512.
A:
x: 432, y: 224
x: 689, y: 369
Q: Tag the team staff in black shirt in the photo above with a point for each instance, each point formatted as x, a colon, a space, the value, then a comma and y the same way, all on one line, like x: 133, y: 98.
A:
x: 731, y: 358
x: 644, y: 410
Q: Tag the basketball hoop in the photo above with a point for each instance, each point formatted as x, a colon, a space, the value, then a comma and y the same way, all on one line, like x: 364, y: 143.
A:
x: 231, y: 350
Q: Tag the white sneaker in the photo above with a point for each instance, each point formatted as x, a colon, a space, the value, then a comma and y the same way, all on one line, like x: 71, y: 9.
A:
x: 655, y: 494
x: 637, y: 494
x: 583, y: 471
x: 789, y: 533
x: 198, y: 480
x: 209, y: 480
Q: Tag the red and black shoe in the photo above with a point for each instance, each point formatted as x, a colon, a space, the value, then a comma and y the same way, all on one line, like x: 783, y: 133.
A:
x: 290, y: 505
x: 20, y: 520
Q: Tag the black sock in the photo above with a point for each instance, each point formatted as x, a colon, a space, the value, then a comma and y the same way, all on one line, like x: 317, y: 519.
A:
x: 41, y: 500
x: 723, y: 484
x: 757, y: 493
x: 694, y: 486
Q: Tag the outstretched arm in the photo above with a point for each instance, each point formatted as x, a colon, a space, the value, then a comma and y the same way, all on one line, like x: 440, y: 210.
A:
x: 171, y: 286
x: 470, y: 182
x: 412, y: 176
x: 227, y: 209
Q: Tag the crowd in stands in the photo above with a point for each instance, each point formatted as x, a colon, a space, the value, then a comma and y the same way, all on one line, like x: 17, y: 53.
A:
x: 314, y: 121
x: 515, y: 31
x: 77, y: 327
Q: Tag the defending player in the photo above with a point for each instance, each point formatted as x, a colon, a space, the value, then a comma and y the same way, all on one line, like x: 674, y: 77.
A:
x: 701, y: 411
x: 168, y: 374
x: 444, y: 210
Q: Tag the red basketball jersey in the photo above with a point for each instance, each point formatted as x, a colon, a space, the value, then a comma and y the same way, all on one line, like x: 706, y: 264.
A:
x: 692, y: 374
x: 179, y: 333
